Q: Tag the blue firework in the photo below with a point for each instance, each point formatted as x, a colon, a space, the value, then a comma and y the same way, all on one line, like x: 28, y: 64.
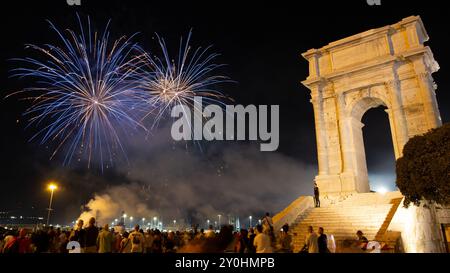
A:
x: 167, y: 81
x: 83, y: 92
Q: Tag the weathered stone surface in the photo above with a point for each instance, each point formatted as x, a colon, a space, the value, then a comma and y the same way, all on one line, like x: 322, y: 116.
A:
x: 420, y: 229
x: 387, y: 66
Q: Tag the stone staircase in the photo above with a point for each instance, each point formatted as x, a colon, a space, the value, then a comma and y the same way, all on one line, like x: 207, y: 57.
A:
x: 342, y: 217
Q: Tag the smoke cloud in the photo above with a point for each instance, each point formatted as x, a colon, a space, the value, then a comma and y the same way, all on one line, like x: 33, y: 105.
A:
x: 192, y: 183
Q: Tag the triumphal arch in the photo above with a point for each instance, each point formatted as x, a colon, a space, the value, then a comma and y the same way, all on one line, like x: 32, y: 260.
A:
x: 387, y: 66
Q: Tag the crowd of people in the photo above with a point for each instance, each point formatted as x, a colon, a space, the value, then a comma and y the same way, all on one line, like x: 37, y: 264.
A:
x: 91, y: 239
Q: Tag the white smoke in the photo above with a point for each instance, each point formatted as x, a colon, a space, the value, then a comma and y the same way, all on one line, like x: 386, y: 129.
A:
x: 168, y: 180
x: 116, y: 200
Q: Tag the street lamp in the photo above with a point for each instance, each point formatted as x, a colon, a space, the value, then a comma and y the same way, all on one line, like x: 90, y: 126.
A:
x: 143, y: 221
x: 250, y: 220
x: 52, y: 187
x: 219, y: 219
x: 154, y: 222
x: 124, y: 216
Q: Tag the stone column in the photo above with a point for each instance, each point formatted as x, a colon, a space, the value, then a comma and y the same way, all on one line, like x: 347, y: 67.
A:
x: 397, y: 114
x: 397, y: 151
x: 321, y: 132
x: 348, y: 172
x: 344, y: 136
x: 425, y: 81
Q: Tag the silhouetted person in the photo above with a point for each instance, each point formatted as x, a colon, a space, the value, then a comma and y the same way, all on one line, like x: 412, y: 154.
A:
x: 78, y: 234
x: 316, y: 195
x: 322, y: 241
x: 285, y: 240
x: 362, y: 240
x: 90, y: 237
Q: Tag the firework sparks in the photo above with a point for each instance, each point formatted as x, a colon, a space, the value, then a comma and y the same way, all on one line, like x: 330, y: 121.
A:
x: 83, y: 93
x: 166, y: 82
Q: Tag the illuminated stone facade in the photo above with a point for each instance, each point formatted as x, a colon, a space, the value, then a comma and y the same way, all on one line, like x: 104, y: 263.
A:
x: 387, y: 66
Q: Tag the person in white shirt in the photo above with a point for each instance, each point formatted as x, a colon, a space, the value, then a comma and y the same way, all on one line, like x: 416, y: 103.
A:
x: 137, y: 240
x: 262, y: 242
x: 311, y: 241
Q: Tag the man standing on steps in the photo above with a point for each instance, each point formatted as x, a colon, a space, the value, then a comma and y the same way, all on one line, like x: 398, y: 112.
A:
x: 316, y: 195
x: 311, y: 241
x: 322, y: 241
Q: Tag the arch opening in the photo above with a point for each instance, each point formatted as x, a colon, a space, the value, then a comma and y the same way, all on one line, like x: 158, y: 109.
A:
x: 379, y: 149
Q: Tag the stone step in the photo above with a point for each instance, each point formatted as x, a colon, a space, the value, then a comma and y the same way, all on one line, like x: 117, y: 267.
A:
x: 315, y: 222
x: 344, y: 217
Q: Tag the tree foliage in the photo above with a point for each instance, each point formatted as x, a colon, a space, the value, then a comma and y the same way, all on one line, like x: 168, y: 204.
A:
x: 423, y: 173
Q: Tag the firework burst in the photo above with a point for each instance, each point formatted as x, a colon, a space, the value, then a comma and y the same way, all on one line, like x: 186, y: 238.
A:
x: 166, y: 82
x: 83, y: 93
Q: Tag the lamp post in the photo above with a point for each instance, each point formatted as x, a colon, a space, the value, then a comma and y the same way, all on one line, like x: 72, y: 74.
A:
x: 52, y: 187
x: 219, y: 219
x: 154, y: 222
x: 250, y: 220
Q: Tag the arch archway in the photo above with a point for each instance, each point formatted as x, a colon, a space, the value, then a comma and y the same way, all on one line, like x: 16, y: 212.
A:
x: 379, y: 149
x: 389, y: 66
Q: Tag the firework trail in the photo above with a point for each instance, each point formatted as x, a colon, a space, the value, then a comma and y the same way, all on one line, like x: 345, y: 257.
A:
x: 166, y: 83
x: 83, y: 93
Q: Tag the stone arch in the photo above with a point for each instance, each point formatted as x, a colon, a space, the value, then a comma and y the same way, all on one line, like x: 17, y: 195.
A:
x: 358, y: 156
x: 359, y: 107
x: 387, y: 66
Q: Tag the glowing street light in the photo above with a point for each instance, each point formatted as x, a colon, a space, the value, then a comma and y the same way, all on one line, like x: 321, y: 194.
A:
x: 219, y: 219
x: 52, y: 187
x: 250, y: 220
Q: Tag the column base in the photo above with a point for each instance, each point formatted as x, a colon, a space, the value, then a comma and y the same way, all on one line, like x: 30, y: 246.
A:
x: 340, y: 184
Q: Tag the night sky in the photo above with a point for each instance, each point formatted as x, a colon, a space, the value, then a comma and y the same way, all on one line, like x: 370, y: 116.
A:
x: 260, y: 42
